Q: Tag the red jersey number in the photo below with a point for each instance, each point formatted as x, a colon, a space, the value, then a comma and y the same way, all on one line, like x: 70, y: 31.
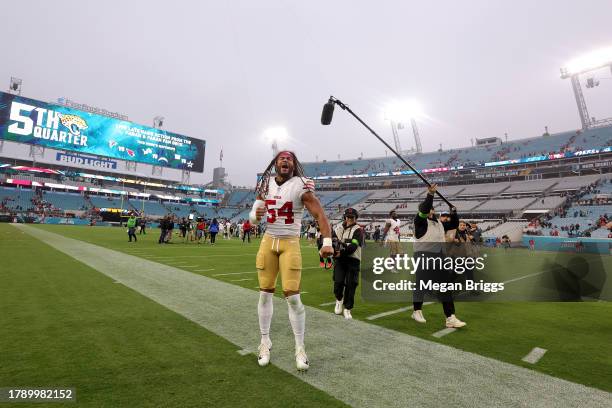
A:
x: 285, y: 211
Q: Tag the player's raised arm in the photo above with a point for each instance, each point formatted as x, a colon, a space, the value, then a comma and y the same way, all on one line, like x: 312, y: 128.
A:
x: 312, y: 204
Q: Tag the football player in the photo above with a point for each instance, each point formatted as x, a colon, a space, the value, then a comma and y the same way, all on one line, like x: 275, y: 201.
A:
x: 282, y: 197
x: 392, y: 233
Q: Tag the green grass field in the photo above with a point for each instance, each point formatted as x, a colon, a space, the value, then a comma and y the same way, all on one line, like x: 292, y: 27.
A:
x: 66, y: 324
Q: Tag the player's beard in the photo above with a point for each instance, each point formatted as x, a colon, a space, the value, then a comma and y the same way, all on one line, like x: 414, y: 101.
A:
x: 285, y: 172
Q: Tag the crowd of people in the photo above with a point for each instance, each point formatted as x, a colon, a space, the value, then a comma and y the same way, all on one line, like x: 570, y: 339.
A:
x: 205, y: 230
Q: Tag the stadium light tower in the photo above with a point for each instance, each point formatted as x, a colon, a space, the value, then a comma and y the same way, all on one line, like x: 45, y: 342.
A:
x: 573, y: 69
x: 15, y: 86
x: 158, y: 122
x: 399, y: 112
x: 274, y: 136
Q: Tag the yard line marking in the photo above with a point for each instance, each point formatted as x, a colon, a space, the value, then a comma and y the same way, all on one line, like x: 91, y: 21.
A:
x: 242, y: 273
x: 188, y: 266
x: 244, y: 352
x: 328, y: 303
x: 392, y: 312
x: 240, y: 280
x: 534, y: 355
x: 204, y: 270
x: 524, y: 277
x: 211, y: 304
x: 200, y: 256
x: 444, y: 332
x: 233, y: 273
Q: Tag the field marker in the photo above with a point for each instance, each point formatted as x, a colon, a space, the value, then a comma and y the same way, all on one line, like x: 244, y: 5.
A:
x: 204, y: 270
x: 392, y: 312
x: 444, y: 332
x: 328, y: 303
x: 240, y: 280
x: 244, y: 352
x: 534, y: 355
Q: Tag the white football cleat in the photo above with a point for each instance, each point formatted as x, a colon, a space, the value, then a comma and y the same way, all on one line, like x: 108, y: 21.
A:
x: 453, y: 322
x: 418, y: 316
x: 347, y: 314
x: 301, y: 359
x: 339, y: 307
x: 263, y: 355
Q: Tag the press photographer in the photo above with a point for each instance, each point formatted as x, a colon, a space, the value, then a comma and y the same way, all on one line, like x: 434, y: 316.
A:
x: 348, y: 240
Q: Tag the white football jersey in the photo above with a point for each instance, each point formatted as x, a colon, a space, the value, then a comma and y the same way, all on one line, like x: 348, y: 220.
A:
x: 394, y: 230
x: 285, y: 207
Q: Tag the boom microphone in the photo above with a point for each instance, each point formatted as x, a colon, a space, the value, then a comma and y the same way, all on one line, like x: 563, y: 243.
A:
x: 328, y: 112
x: 326, y: 118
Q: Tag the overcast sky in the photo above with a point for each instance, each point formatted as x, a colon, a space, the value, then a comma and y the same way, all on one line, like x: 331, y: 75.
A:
x: 224, y: 71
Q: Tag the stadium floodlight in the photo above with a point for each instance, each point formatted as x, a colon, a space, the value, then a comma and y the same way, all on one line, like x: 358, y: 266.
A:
x: 403, y: 111
x: 15, y: 86
x: 588, y: 62
x: 400, y: 112
x: 158, y: 122
x: 275, y: 135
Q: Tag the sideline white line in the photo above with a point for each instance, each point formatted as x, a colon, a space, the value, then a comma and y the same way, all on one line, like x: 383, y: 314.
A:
x: 328, y: 303
x: 392, y: 312
x: 244, y: 352
x: 444, y: 332
x: 241, y: 280
x: 534, y: 355
x: 203, y: 270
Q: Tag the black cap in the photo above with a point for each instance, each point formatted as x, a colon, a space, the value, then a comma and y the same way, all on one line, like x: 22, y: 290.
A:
x: 351, y: 212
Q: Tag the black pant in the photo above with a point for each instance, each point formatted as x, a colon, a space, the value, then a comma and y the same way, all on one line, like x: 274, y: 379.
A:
x: 437, y: 275
x: 346, y: 280
x: 142, y: 230
x: 246, y: 234
x: 162, y: 235
x: 213, y: 235
x: 132, y: 233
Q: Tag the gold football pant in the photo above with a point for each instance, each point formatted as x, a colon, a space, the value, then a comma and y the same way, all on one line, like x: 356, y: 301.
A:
x: 279, y: 255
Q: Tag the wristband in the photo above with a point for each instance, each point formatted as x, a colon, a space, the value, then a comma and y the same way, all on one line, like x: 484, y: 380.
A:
x: 253, y: 213
x: 327, y: 242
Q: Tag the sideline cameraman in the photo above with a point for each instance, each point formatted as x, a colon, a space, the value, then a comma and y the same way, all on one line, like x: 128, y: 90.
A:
x: 430, y: 231
x: 348, y: 240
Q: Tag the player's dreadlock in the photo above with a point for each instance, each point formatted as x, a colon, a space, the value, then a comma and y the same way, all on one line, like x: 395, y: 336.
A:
x: 263, y: 184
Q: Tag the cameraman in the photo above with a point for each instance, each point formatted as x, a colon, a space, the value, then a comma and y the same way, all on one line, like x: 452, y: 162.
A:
x: 348, y: 240
x: 430, y: 231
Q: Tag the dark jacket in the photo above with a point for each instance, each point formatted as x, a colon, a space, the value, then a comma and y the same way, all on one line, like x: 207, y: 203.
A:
x: 420, y: 221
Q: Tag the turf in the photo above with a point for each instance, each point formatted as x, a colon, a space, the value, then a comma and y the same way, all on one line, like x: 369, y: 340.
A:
x: 576, y: 335
x: 67, y: 325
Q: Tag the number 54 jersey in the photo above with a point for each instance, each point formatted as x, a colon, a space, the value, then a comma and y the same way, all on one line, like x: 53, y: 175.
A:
x: 285, y: 207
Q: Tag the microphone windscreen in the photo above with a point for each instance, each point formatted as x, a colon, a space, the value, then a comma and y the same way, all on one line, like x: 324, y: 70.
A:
x: 328, y: 113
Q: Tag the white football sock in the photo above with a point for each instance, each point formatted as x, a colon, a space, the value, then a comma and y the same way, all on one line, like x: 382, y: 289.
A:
x: 297, y: 317
x: 265, y: 308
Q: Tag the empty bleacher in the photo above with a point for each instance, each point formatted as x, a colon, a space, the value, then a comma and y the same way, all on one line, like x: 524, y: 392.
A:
x: 66, y: 201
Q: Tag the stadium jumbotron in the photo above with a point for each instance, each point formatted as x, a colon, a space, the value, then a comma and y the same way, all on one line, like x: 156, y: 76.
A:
x: 133, y: 276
